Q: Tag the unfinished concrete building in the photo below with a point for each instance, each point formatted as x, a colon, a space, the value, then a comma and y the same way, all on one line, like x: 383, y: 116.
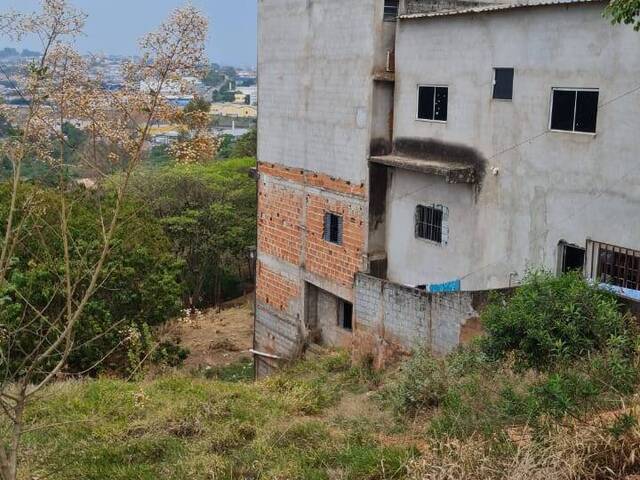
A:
x: 415, y: 155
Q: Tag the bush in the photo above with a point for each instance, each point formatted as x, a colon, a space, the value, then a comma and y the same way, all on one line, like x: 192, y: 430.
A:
x: 552, y: 319
x: 139, y: 286
x: 424, y: 383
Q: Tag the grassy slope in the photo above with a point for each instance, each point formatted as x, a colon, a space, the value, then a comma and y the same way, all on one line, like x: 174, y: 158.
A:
x: 185, y: 427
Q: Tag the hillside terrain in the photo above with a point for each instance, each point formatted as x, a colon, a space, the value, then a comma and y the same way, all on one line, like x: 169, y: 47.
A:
x: 551, y: 391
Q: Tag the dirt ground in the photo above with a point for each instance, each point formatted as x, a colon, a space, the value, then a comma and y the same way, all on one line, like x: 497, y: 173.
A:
x: 215, y: 338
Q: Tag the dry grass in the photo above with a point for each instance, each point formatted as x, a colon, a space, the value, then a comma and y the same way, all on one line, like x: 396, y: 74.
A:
x: 607, y: 448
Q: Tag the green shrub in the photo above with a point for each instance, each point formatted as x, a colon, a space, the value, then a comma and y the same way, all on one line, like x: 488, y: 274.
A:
x: 424, y: 382
x: 552, y: 319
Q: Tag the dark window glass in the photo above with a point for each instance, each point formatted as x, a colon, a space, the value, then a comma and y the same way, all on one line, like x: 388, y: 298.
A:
x: 563, y: 109
x: 425, y: 103
x: 572, y: 258
x: 429, y: 222
x: 333, y: 228
x: 574, y: 110
x: 432, y: 103
x: 345, y: 319
x: 391, y: 10
x: 586, y: 111
x: 440, y: 105
x: 503, y: 84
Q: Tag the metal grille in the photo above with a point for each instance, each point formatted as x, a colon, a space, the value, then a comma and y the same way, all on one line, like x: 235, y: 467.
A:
x: 391, y: 10
x: 614, y: 265
x: 333, y: 228
x: 431, y: 222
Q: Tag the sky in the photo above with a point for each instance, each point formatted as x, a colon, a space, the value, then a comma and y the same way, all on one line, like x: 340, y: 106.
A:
x: 114, y: 26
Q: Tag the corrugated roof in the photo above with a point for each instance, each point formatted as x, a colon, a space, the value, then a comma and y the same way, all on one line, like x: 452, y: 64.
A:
x: 493, y: 8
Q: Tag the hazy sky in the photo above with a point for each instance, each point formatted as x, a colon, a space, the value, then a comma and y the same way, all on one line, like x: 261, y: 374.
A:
x: 114, y: 26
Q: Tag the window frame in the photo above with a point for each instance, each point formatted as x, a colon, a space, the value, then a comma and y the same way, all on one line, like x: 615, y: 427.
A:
x: 575, y: 109
x: 326, y: 234
x: 493, y: 83
x: 444, y: 227
x: 385, y: 16
x: 434, y: 86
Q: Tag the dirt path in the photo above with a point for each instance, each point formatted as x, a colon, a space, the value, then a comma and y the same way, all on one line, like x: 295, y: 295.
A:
x: 215, y: 338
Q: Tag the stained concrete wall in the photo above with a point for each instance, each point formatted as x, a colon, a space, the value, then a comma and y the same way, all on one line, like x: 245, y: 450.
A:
x: 412, y: 318
x: 551, y: 185
x: 315, y: 62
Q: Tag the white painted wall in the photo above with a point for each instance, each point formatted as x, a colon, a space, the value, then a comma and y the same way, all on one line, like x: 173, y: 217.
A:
x: 551, y: 186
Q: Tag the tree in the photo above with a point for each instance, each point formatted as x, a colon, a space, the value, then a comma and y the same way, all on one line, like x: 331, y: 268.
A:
x: 624, y: 11
x: 57, y: 88
x: 196, y: 143
x: 246, y: 145
x: 209, y: 213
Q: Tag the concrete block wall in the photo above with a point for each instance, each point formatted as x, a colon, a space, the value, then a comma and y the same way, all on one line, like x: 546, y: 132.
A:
x: 411, y: 318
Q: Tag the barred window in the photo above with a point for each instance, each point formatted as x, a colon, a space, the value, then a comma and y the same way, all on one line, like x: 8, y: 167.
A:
x: 333, y: 228
x: 432, y: 223
x: 391, y: 10
x: 615, y: 265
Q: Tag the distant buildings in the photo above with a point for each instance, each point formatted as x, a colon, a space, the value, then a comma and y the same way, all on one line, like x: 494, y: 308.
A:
x: 237, y: 110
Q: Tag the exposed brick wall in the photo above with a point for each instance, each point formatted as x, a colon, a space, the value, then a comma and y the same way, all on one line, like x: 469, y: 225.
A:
x: 335, y: 262
x: 279, y: 217
x: 274, y: 289
x: 314, y: 179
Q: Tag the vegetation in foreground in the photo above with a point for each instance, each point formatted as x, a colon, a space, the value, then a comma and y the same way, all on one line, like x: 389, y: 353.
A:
x: 505, y: 408
x: 306, y: 423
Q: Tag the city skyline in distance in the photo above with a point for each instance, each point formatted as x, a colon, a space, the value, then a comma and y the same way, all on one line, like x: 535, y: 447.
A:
x: 114, y: 27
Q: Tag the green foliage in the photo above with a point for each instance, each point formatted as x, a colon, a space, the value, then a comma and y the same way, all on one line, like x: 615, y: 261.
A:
x: 139, y: 286
x: 159, y: 157
x: 182, y: 427
x: 624, y: 11
x: 209, y: 214
x: 556, y: 347
x: 226, y: 147
x: 552, y: 319
x: 246, y: 145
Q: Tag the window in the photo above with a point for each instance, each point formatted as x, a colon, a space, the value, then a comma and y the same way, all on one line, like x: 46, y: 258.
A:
x: 574, y: 110
x: 432, y: 103
x: 614, y: 265
x: 431, y: 223
x: 333, y: 228
x: 345, y: 315
x: 503, y: 83
x: 391, y: 10
x: 571, y: 257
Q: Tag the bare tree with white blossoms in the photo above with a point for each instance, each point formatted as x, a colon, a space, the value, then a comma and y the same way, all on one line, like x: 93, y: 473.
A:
x: 56, y: 89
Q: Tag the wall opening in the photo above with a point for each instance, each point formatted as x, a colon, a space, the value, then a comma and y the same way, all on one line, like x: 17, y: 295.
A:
x: 345, y: 315
x: 328, y: 317
x: 571, y: 257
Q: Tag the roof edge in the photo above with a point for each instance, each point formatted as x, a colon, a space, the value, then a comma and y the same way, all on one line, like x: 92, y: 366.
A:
x: 494, y: 8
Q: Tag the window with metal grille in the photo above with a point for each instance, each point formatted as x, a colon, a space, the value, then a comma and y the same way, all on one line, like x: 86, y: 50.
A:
x: 433, y: 103
x: 333, y: 228
x: 391, y: 10
x: 503, y: 83
x: 615, y: 265
x: 574, y: 110
x: 431, y: 223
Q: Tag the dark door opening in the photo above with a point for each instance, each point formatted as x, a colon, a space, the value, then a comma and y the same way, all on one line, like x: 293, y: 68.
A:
x: 572, y: 258
x: 345, y: 315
